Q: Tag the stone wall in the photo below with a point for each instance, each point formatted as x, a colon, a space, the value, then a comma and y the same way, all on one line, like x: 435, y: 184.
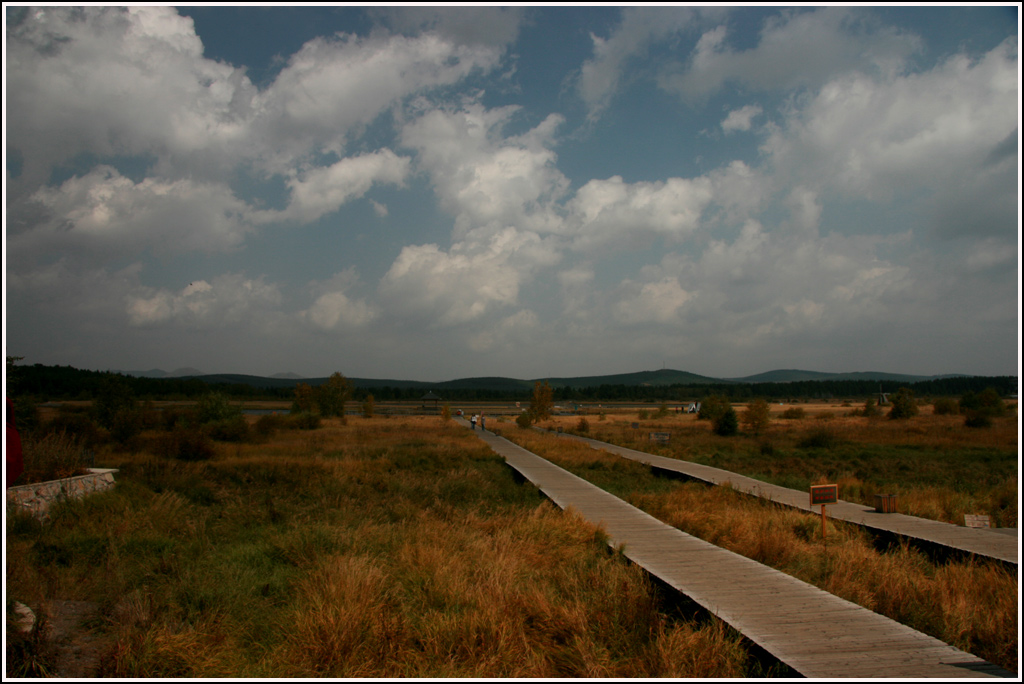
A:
x: 37, y: 498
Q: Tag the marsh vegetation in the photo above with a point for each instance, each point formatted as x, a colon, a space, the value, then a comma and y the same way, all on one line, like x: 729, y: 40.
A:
x: 939, y: 467
x: 304, y: 546
x: 377, y: 548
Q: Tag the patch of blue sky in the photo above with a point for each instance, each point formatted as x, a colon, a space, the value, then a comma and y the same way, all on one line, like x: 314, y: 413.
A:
x: 896, y: 171
x: 263, y: 38
x: 134, y: 167
x: 944, y: 28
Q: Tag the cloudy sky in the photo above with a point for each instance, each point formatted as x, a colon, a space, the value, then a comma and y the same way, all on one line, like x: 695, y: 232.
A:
x: 435, y: 193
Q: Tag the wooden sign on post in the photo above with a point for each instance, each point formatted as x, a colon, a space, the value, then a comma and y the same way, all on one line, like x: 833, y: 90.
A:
x: 823, y: 495
x: 977, y: 521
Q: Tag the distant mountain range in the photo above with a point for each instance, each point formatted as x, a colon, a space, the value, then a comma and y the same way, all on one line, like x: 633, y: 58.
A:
x: 652, y: 378
x: 157, y: 373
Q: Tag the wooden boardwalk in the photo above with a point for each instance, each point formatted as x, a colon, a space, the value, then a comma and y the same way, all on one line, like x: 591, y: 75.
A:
x: 977, y: 541
x: 815, y: 633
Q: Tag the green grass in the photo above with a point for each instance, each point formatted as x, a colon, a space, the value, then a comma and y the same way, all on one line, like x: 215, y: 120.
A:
x: 378, y: 549
x: 939, y: 468
x: 972, y: 605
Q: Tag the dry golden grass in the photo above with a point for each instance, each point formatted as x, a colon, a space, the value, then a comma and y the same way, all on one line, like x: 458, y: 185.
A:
x: 384, y: 547
x: 939, y: 468
x: 484, y: 606
x: 971, y: 605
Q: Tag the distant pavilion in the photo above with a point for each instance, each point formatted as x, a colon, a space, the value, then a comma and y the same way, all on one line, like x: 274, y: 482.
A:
x: 430, y: 396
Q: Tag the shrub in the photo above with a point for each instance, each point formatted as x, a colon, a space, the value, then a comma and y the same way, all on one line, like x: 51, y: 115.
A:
x: 126, y: 426
x: 903, y: 405
x: 229, y: 430
x: 757, y: 416
x: 368, y: 406
x: 115, y: 396
x: 53, y: 456
x: 26, y: 414
x: 31, y: 653
x: 186, y: 444
x: 987, y: 402
x: 977, y: 419
x: 150, y: 415
x: 944, y: 406
x: 794, y: 413
x: 642, y: 414
x: 524, y: 420
x: 819, y: 438
x: 173, y: 417
x: 77, y: 425
x: 304, y: 421
x: 727, y: 424
x: 268, y: 424
x: 713, y: 407
x: 582, y: 425
x: 871, y: 408
x: 214, y: 408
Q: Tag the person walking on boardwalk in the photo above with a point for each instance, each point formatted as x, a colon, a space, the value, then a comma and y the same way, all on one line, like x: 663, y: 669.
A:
x: 483, y: 423
x: 472, y: 421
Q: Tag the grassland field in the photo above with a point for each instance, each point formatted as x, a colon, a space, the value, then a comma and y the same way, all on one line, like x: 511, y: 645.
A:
x: 400, y: 546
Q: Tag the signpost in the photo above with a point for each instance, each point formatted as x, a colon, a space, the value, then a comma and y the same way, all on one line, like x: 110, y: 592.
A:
x: 823, y: 495
x: 977, y: 521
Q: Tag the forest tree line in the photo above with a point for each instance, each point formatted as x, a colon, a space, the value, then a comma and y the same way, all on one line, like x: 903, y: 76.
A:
x: 55, y: 383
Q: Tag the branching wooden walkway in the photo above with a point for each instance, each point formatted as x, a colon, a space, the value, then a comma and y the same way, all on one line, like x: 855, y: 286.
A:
x: 815, y: 633
x: 978, y: 541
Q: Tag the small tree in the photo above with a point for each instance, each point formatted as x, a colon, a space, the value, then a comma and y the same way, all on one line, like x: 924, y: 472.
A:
x: 727, y: 424
x: 713, y: 407
x: 945, y: 406
x: 542, y: 402
x: 446, y: 414
x: 13, y: 374
x: 368, y: 406
x: 979, y: 409
x: 871, y: 408
x: 903, y: 405
x: 987, y: 401
x: 332, y: 395
x: 757, y: 416
x: 115, y: 397
x: 303, y: 401
x: 213, y: 407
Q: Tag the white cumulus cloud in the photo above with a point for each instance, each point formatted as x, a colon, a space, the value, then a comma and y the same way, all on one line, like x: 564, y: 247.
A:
x: 740, y: 119
x: 483, y: 177
x: 229, y: 299
x: 321, y: 190
x: 839, y: 39
x: 107, y: 213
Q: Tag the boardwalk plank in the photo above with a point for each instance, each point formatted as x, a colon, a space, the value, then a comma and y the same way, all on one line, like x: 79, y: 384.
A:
x: 817, y: 634
x: 978, y: 541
